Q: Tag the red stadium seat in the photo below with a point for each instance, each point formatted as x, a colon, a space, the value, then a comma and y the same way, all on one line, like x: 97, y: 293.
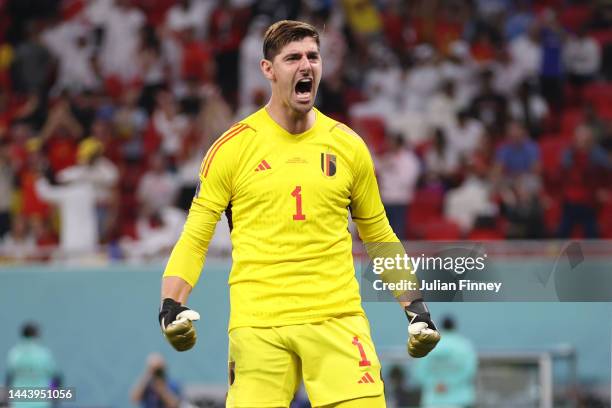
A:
x: 599, y: 93
x: 151, y: 139
x: 605, y: 220
x: 71, y: 8
x: 485, y: 234
x: 552, y: 214
x: 353, y: 95
x: 605, y: 228
x: 421, y: 148
x: 605, y: 111
x: 603, y: 37
x: 427, y: 205
x: 574, y: 17
x: 541, y: 6
x: 373, y: 130
x: 440, y: 229
x: 570, y: 119
x: 551, y: 150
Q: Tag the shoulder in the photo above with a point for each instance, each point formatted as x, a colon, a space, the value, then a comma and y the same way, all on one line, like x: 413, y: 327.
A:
x: 333, y: 126
x: 13, y: 353
x: 533, y: 147
x: 232, y: 136
x: 350, y: 142
x: 502, y: 148
x: 227, y: 146
x: 238, y: 129
x: 174, y: 386
x: 256, y: 121
x: 344, y: 133
x: 344, y: 130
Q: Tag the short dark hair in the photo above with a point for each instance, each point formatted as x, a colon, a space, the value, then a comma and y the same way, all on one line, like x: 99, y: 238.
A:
x: 448, y: 323
x: 283, y: 32
x: 29, y: 330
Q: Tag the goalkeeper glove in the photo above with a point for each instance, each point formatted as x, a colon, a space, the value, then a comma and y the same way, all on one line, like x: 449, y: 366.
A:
x: 176, y: 324
x: 422, y: 333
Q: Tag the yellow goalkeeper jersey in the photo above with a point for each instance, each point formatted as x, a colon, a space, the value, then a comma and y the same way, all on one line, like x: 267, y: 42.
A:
x: 287, y: 198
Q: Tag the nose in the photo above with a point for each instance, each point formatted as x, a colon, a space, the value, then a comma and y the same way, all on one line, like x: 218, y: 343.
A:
x: 304, y: 64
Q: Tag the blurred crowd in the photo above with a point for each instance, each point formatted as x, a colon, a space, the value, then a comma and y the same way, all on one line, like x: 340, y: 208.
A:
x: 487, y: 119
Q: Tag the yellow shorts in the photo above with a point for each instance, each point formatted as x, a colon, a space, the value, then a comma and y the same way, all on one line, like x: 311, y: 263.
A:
x: 335, y: 358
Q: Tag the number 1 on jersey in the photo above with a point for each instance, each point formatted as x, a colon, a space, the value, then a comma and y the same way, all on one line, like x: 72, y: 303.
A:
x: 297, y: 193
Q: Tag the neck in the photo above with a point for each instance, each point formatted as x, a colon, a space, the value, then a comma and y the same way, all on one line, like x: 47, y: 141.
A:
x: 290, y: 120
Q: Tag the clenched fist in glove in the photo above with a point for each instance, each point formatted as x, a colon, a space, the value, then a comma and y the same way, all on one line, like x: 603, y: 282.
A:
x: 176, y: 324
x: 422, y: 333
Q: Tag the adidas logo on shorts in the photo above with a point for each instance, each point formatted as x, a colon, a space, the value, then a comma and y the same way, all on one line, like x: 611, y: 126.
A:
x: 366, y: 379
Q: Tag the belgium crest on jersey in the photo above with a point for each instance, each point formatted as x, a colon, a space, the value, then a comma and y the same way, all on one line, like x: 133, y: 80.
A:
x: 328, y: 164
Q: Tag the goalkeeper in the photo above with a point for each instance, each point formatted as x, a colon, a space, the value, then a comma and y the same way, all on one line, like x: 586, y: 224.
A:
x: 286, y: 178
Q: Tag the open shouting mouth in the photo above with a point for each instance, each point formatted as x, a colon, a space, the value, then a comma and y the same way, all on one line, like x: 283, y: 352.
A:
x: 303, y: 89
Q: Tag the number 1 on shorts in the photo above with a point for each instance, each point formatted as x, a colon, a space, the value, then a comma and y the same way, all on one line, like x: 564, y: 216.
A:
x: 364, y: 360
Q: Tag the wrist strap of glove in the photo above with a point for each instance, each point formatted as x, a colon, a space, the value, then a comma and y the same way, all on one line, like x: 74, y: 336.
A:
x: 169, y: 309
x: 417, y: 311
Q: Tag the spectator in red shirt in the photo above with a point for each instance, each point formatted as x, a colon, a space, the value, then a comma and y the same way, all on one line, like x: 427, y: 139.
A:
x: 196, y: 55
x: 32, y: 205
x: 586, y: 169
x: 398, y: 27
x: 6, y: 186
x: 227, y: 27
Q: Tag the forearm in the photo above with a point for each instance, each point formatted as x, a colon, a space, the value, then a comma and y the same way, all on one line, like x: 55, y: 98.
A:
x: 139, y: 388
x: 169, y: 399
x: 46, y: 191
x: 181, y: 275
x: 381, y: 242
x: 188, y: 256
x: 399, y: 273
x: 175, y: 288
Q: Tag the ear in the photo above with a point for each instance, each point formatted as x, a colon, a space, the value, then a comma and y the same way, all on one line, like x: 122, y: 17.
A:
x: 267, y: 69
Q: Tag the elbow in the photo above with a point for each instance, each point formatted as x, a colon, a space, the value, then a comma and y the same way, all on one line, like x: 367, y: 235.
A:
x: 378, y: 231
